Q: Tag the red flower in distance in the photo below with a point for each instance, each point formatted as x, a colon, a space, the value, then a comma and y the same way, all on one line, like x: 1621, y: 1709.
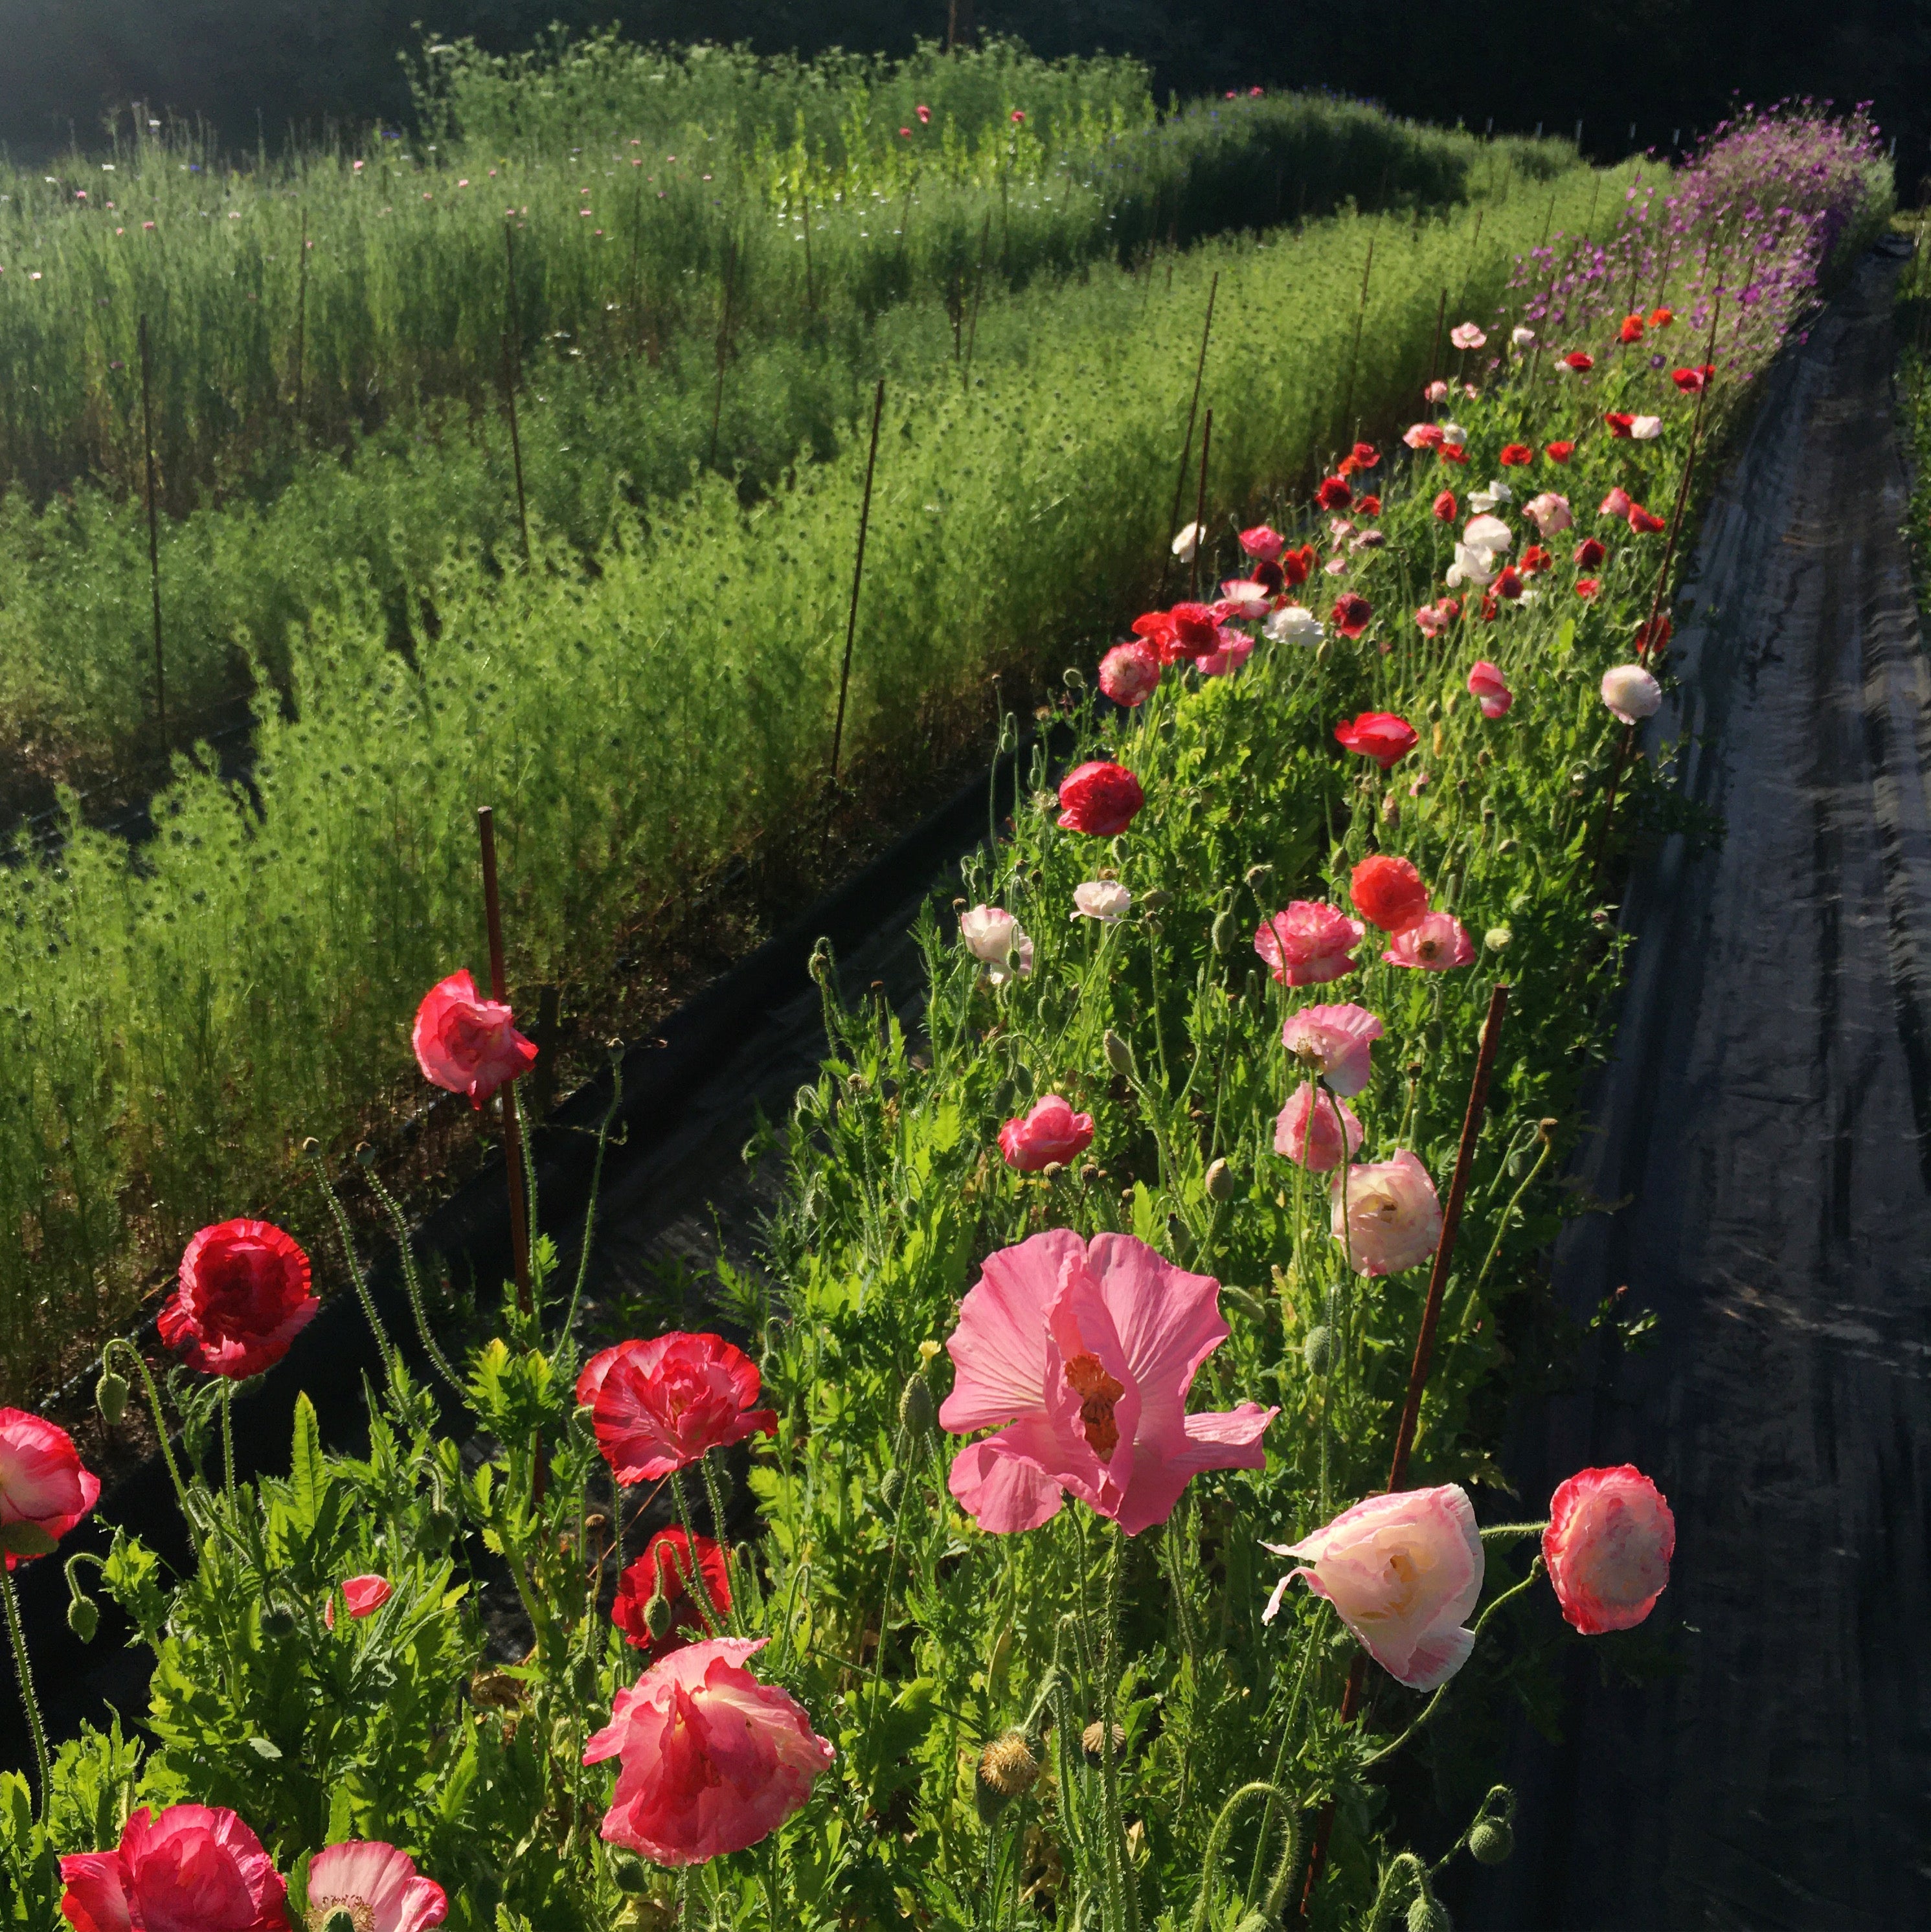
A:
x: 1452, y: 452
x: 466, y: 1043
x: 1051, y: 1135
x: 1587, y: 587
x: 1690, y: 381
x: 1295, y: 565
x: 193, y: 1869
x: 1559, y: 451
x: 1388, y: 892
x: 660, y: 1404
x: 1644, y: 522
x: 1099, y: 798
x: 1349, y: 613
x: 1509, y: 584
x: 243, y: 1298
x: 1661, y: 318
x: 1334, y: 494
x: 1534, y: 560
x: 1654, y: 635
x: 1196, y: 627
x: 1632, y: 330
x: 1379, y: 735
x: 665, y: 1569
x: 1444, y: 507
x: 1619, y: 421
x: 43, y: 1483
x: 1364, y: 456
x: 1161, y: 634
x: 1488, y: 607
x: 1589, y: 554
x: 1579, y: 361
x: 1369, y: 505
x: 1514, y: 455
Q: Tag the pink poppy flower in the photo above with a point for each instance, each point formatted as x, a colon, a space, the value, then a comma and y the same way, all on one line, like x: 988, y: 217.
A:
x: 243, y: 1298
x: 1432, y: 620
x: 1435, y: 392
x: 1308, y: 1130
x: 1616, y: 504
x: 1489, y: 689
x: 1466, y: 335
x: 1309, y: 944
x: 1609, y: 1546
x: 1099, y: 798
x: 195, y: 1868
x: 378, y: 1886
x: 1394, y: 1217
x: 1336, y: 1042
x: 997, y: 940
x: 1379, y: 735
x: 1404, y: 1572
x: 1080, y: 1355
x: 363, y: 1595
x: 1263, y: 544
x: 1105, y: 900
x: 42, y: 1480
x: 1245, y: 601
x: 1437, y: 942
x: 1129, y: 673
x: 924, y: 114
x: 1631, y: 693
x: 712, y: 1761
x: 660, y: 1404
x: 1234, y: 649
x: 1422, y: 436
x: 1644, y: 522
x: 1548, y: 512
x: 466, y: 1043
x: 1051, y: 1134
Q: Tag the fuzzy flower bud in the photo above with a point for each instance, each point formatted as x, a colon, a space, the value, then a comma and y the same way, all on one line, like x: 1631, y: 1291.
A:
x: 1220, y: 1182
x: 110, y: 1396
x: 1119, y: 1054
x: 84, y: 1617
x: 1490, y: 1841
x: 916, y: 1413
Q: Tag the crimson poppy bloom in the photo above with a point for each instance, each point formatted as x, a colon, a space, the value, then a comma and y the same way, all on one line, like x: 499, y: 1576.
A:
x: 1365, y: 456
x: 1632, y: 330
x: 1690, y: 381
x: 1653, y: 636
x: 1051, y: 1135
x: 1559, y: 452
x: 466, y: 1043
x: 1579, y: 361
x: 1388, y: 892
x: 1295, y: 565
x: 1334, y: 494
x: 1099, y: 798
x: 1489, y: 606
x: 1535, y: 559
x: 1452, y: 452
x: 660, y: 1404
x: 1349, y: 613
x: 1379, y: 735
x: 1661, y: 318
x: 1619, y: 421
x: 1587, y: 588
x: 193, y: 1866
x: 1444, y: 507
x: 243, y: 1298
x: 1644, y: 522
x: 1509, y: 584
x: 1370, y: 506
x: 1516, y: 455
x: 1589, y: 554
x: 1158, y: 630
x: 42, y: 1480
x: 666, y: 1569
x: 1196, y: 627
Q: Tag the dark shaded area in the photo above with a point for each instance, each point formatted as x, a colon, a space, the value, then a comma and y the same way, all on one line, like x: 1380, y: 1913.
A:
x: 1765, y: 1116
x: 256, y: 67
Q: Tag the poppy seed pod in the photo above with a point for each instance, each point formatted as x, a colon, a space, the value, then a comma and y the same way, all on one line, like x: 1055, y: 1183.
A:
x: 632, y: 1875
x: 340, y: 1920
x: 657, y: 1615
x: 110, y: 1396
x: 916, y: 1412
x: 1318, y: 1350
x: 892, y: 1490
x: 1008, y: 1769
x: 1220, y: 1182
x: 279, y: 1621
x: 1222, y: 936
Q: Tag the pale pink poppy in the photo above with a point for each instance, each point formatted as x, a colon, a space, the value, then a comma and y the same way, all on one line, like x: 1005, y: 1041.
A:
x: 1435, y: 392
x: 1306, y: 1129
x: 1489, y: 689
x: 1466, y: 335
x: 1616, y: 504
x: 1432, y: 620
x: 1336, y: 1042
x: 1079, y: 1355
x: 1130, y: 672
x: 1308, y: 944
x: 1454, y: 436
x: 1050, y: 1135
x: 1522, y: 336
x: 1393, y: 1217
x: 1404, y: 1572
x: 992, y: 936
x: 1631, y: 693
x: 1262, y: 543
x: 1106, y: 900
x: 1609, y: 1546
x: 1436, y: 942
x: 1245, y: 600
x: 1422, y: 436
x: 1549, y: 512
x: 378, y: 1887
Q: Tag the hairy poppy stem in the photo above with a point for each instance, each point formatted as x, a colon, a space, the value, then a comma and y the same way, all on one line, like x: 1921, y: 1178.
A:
x: 1187, y: 441
x: 858, y: 578
x: 154, y: 534
x: 512, y: 1128
x: 23, y: 1670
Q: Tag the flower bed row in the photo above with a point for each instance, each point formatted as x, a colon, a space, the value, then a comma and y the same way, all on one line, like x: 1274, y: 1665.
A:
x: 1178, y: 1248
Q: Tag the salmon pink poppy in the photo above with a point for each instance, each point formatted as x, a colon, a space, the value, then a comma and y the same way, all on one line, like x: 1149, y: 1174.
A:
x: 1589, y: 554
x: 44, y: 1483
x: 660, y: 1404
x: 1387, y: 1214
x: 1435, y: 392
x: 1404, y: 1572
x: 1308, y: 944
x: 1559, y: 451
x: 667, y: 1570
x: 710, y: 1760
x: 1080, y: 1354
x: 1349, y: 613
x: 1050, y: 1135
x: 466, y: 1043
x: 1619, y: 421
x: 1691, y: 381
x: 243, y: 1298
x: 195, y: 1868
x: 1379, y: 735
x: 1263, y: 544
x: 1444, y: 507
x: 1130, y: 673
x: 1335, y: 1043
x: 1099, y: 798
x: 362, y: 1597
x: 1310, y: 1130
x: 1661, y: 318
x: 1616, y: 503
x: 1516, y: 455
x: 1632, y: 330
x: 1388, y: 892
x: 1334, y: 494
x: 1644, y: 522
x: 1489, y: 689
x: 1587, y: 588
x: 1608, y: 1545
x: 1631, y: 693
x: 1436, y: 943
x: 378, y: 1887
x: 1422, y: 436
x: 924, y: 114
x: 1578, y: 361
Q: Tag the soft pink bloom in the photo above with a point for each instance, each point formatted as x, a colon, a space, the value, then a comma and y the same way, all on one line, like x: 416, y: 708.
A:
x: 1454, y: 436
x: 1106, y: 900
x: 1246, y: 600
x: 1403, y: 1571
x: 1608, y: 1544
x: 662, y: 1404
x: 1233, y: 649
x: 378, y: 1886
x: 1616, y: 504
x: 193, y: 1869
x: 1631, y: 692
x: 992, y: 936
x: 1422, y: 436
x: 1549, y: 512
x: 1308, y: 1130
x: 1309, y: 943
x: 1336, y: 1042
x: 1436, y: 941
x: 364, y: 1596
x: 1262, y: 543
x: 1435, y: 392
x: 1051, y: 1134
x: 1489, y: 689
x: 42, y: 1478
x: 1130, y: 672
x: 1433, y: 619
x: 1080, y: 1355
x: 1393, y: 1219
x: 1379, y: 735
x: 712, y: 1761
x: 1466, y: 335
x: 466, y: 1043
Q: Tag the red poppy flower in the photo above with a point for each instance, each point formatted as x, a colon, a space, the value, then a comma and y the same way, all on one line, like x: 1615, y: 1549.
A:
x: 1661, y: 318
x: 1619, y: 421
x: 1559, y: 452
x: 1632, y: 330
x: 1365, y: 456
x: 1644, y: 522
x: 1379, y: 735
x: 1578, y: 360
x: 1489, y: 606
x: 1452, y: 452
x: 665, y: 1569
x: 1589, y: 554
x: 1509, y: 584
x: 1690, y: 381
x: 1653, y: 636
x: 1535, y: 558
x: 1269, y: 576
x: 1296, y: 564
x: 1159, y: 629
x: 243, y: 1298
x: 1515, y: 454
x: 1369, y: 505
x: 1349, y: 613
x: 1615, y: 503
x: 662, y: 1404
x: 1196, y: 628
x: 1334, y: 494
x: 466, y: 1043
x: 1444, y: 507
x: 1587, y: 587
x: 1100, y: 799
x: 1388, y: 892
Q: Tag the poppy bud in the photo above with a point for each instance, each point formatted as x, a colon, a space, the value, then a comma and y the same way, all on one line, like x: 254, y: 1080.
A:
x: 1119, y: 1054
x: 1318, y: 1350
x: 1496, y: 938
x: 1490, y: 1841
x: 657, y: 1615
x: 892, y: 1490
x: 1156, y: 901
x: 278, y: 1622
x: 1257, y: 876
x: 1426, y: 1914
x: 1220, y: 1182
x: 916, y: 1415
x: 1008, y: 1769
x: 631, y: 1874
x: 110, y: 1396
x: 84, y: 1617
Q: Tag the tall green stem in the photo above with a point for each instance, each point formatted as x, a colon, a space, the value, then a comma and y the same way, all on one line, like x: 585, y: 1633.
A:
x: 123, y: 1346
x: 24, y: 1670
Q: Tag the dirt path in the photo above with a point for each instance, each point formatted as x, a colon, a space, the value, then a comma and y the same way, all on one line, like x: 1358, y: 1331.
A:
x: 1769, y: 1110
